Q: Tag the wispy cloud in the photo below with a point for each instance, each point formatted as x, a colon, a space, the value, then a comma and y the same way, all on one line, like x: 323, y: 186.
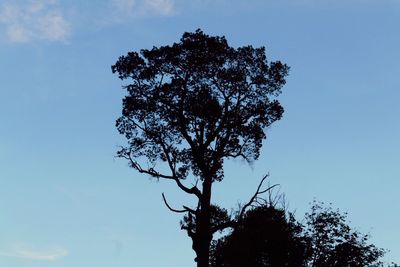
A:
x: 26, y: 21
x: 24, y: 252
x: 139, y: 8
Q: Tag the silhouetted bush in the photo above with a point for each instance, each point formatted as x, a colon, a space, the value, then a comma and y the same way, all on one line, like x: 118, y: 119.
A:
x: 269, y: 236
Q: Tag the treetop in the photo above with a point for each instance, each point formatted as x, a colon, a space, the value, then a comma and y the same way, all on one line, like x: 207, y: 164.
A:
x: 196, y: 102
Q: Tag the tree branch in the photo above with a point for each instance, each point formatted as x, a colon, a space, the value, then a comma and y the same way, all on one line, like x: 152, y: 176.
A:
x: 153, y: 173
x: 193, y: 190
x: 255, y: 196
x: 185, y: 208
x: 170, y: 208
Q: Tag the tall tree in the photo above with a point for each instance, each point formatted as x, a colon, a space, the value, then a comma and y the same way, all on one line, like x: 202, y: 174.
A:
x: 190, y: 106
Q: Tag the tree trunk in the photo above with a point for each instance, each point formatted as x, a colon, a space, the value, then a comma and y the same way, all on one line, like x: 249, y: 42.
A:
x: 203, y: 227
x: 203, y: 254
x: 203, y: 241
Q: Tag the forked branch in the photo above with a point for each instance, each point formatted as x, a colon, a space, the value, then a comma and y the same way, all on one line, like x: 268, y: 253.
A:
x: 255, y: 197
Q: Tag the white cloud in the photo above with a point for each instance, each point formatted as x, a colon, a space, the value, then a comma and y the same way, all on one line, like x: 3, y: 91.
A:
x: 140, y: 8
x: 26, y: 21
x: 23, y: 252
x: 18, y: 33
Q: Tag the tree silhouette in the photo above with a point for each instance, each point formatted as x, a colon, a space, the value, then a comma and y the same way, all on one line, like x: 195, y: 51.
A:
x: 268, y: 236
x: 265, y: 237
x: 335, y: 244
x: 190, y: 106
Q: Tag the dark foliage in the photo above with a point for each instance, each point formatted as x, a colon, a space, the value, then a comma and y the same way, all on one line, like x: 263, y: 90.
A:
x: 268, y: 236
x: 265, y: 237
x: 197, y: 102
x: 335, y: 244
x: 190, y: 106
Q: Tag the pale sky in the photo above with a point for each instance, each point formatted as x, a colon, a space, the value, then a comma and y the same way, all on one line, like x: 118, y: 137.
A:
x: 66, y: 201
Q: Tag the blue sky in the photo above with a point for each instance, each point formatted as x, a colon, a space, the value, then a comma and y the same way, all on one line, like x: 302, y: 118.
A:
x: 66, y: 201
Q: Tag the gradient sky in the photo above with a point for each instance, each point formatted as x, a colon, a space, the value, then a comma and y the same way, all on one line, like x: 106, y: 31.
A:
x: 66, y: 201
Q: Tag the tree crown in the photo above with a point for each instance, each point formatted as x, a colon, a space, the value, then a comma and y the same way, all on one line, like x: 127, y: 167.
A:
x: 196, y: 102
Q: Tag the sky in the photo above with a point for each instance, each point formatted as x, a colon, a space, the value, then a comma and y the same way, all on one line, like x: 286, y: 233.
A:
x: 67, y: 201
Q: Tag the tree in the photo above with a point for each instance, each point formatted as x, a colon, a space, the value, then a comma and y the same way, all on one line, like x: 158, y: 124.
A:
x: 335, y: 244
x: 268, y: 236
x: 190, y: 106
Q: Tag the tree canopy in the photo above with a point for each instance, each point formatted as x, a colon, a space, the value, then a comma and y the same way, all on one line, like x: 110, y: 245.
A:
x: 191, y: 105
x: 197, y: 102
x: 269, y: 236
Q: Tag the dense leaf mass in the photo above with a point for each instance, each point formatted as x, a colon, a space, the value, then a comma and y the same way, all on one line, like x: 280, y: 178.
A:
x: 265, y: 237
x: 196, y: 102
x: 268, y: 237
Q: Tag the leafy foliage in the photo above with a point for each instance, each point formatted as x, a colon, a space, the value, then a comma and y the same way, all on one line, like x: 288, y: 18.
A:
x: 197, y: 102
x: 335, y: 244
x: 269, y: 237
x: 265, y: 237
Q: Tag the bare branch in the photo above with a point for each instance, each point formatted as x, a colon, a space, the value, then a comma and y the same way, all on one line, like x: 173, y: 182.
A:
x: 169, y: 207
x: 254, y: 198
x: 151, y: 171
